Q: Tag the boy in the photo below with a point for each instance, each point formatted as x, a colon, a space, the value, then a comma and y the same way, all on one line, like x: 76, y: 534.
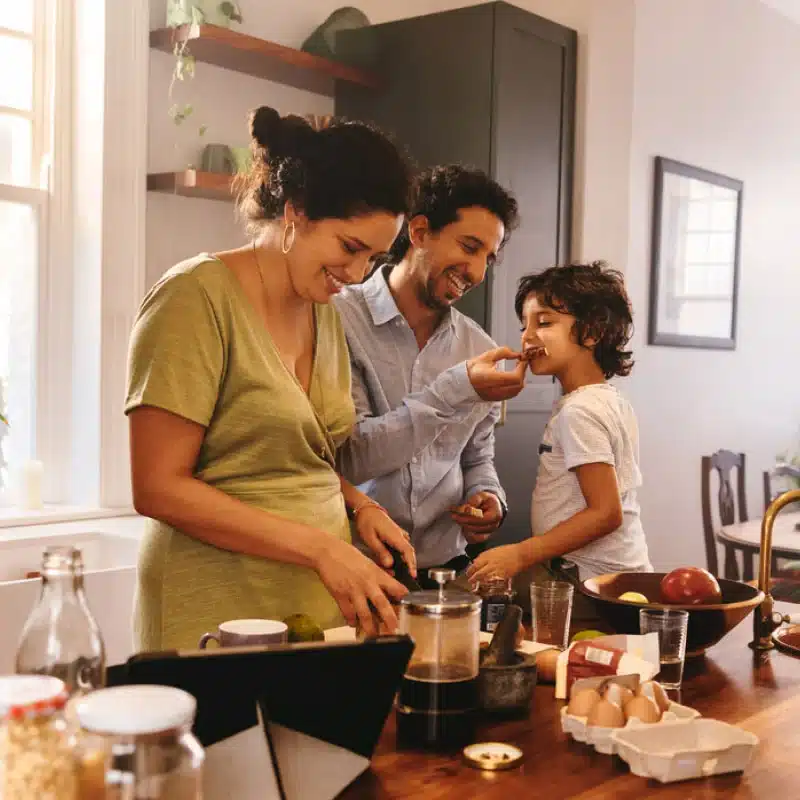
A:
x: 576, y: 324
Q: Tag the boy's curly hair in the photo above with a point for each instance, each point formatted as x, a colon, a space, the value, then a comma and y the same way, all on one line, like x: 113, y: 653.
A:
x: 595, y: 295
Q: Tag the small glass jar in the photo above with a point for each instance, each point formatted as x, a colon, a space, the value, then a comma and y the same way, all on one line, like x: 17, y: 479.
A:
x: 138, y: 741
x: 37, y: 755
x: 496, y: 593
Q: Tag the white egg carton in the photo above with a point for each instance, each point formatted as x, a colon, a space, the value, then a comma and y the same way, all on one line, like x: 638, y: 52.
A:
x: 684, y: 749
x: 601, y: 738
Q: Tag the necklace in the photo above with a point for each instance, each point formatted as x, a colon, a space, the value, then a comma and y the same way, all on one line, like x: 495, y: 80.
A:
x: 324, y: 452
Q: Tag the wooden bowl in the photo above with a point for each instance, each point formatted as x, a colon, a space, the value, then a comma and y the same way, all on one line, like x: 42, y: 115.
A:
x: 707, y: 623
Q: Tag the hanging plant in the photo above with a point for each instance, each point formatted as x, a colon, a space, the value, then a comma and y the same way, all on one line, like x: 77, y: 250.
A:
x: 189, y: 12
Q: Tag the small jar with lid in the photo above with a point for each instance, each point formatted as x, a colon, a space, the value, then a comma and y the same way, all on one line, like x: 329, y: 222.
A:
x: 138, y: 743
x: 37, y: 754
x: 496, y: 594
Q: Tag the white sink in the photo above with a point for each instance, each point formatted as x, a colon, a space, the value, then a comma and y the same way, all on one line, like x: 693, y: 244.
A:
x: 110, y: 578
x: 101, y: 551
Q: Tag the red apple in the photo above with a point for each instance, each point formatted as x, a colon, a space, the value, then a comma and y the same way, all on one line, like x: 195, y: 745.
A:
x: 690, y: 586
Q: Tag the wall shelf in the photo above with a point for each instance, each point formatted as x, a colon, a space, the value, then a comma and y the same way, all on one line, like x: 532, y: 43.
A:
x: 262, y: 59
x: 192, y: 183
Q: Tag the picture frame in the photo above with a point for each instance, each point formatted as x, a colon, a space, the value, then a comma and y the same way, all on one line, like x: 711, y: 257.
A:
x: 695, y: 257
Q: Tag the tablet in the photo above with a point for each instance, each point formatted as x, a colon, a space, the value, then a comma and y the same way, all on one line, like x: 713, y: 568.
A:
x: 290, y: 722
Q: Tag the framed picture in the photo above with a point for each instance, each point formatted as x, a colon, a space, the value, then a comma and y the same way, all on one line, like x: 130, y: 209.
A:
x: 694, y: 280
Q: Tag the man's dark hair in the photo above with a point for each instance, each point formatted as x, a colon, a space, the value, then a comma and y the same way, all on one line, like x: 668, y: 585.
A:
x: 439, y: 193
x: 595, y: 295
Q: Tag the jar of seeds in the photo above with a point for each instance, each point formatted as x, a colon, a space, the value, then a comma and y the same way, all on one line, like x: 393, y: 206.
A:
x: 37, y: 758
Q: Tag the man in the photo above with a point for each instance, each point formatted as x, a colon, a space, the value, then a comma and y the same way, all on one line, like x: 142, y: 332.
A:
x: 426, y: 378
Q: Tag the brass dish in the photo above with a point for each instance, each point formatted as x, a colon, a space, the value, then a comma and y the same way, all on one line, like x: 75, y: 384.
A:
x: 707, y: 623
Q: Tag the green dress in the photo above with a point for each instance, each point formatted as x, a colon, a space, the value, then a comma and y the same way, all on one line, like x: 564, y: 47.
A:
x: 199, y: 350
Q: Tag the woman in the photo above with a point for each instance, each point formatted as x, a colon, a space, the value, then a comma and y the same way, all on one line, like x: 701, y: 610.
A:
x: 239, y: 394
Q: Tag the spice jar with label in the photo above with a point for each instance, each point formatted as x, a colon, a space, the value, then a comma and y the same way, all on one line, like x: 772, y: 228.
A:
x: 140, y: 739
x: 496, y: 594
x: 37, y: 756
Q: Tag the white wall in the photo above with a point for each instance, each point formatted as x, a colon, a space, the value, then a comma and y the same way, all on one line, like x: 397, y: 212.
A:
x: 717, y: 84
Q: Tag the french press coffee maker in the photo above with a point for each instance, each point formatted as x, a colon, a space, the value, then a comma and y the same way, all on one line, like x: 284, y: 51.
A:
x: 438, y: 698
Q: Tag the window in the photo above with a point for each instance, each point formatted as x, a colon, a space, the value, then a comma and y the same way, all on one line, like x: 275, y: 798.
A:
x: 26, y: 103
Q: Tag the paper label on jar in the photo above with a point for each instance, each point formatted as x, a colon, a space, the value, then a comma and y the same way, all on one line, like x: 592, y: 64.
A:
x: 494, y: 613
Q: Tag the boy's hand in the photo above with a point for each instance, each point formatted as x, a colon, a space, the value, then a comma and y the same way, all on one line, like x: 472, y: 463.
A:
x: 489, y: 381
x: 499, y: 562
x: 479, y: 517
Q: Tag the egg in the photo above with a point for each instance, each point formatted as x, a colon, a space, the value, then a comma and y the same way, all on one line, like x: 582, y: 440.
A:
x: 655, y: 692
x: 618, y: 695
x: 546, y: 665
x: 582, y: 703
x: 643, y: 709
x: 606, y: 715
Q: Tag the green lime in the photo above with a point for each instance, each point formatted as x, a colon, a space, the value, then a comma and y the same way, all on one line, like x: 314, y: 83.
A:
x: 581, y: 635
x: 303, y: 629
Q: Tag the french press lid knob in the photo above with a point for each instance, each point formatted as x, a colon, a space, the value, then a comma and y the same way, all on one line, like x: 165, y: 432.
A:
x: 441, y: 575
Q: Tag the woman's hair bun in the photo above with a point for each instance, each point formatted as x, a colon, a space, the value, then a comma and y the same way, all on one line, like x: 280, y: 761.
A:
x: 281, y: 137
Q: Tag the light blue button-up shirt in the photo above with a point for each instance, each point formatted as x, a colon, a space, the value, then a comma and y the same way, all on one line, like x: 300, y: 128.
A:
x: 424, y: 440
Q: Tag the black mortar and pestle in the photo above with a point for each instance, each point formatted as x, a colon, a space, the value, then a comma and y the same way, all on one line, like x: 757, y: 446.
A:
x: 507, y: 676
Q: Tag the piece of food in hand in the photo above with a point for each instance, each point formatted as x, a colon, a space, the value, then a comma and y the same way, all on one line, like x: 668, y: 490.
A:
x: 643, y: 709
x: 303, y: 629
x: 581, y: 636
x: 655, y: 691
x: 582, y: 703
x: 606, y: 715
x: 546, y: 661
x: 633, y: 597
x: 469, y: 511
x: 529, y: 353
x: 690, y: 586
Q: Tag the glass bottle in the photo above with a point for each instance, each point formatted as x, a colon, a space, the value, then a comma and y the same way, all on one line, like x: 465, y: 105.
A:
x: 61, y: 637
x: 137, y: 744
x: 496, y: 594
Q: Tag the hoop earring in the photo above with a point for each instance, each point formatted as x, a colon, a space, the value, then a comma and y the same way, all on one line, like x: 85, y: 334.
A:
x: 288, y: 230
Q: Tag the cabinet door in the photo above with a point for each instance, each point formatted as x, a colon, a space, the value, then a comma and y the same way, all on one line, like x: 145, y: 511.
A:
x: 437, y: 98
x: 532, y: 143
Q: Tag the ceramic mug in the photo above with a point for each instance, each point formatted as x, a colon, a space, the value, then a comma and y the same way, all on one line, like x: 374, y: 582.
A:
x: 247, y: 632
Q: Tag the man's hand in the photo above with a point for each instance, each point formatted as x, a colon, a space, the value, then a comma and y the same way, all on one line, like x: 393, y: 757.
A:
x: 499, y: 562
x: 489, y: 381
x: 476, y: 527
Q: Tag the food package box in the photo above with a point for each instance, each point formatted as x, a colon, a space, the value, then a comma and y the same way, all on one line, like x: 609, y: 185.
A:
x: 607, y: 656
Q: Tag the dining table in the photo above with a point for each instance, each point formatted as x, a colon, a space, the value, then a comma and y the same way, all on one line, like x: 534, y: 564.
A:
x: 759, y: 692
x: 746, y: 537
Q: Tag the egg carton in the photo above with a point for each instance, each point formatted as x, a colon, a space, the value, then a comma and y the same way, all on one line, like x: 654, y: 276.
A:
x: 601, y: 738
x: 683, y: 750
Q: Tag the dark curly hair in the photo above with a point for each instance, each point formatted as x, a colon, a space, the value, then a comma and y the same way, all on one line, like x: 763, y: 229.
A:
x: 439, y: 193
x: 340, y: 171
x: 595, y: 295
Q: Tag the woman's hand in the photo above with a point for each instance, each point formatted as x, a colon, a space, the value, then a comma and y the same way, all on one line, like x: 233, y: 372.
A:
x: 356, y: 582
x: 376, y: 529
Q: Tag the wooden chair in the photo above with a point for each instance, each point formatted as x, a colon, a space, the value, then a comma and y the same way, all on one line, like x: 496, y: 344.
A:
x: 724, y: 462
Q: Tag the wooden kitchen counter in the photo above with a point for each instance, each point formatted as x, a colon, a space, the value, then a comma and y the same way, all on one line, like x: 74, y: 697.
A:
x: 762, y: 697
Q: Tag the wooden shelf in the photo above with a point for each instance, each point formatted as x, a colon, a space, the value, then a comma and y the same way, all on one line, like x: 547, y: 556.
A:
x: 251, y: 56
x: 192, y: 183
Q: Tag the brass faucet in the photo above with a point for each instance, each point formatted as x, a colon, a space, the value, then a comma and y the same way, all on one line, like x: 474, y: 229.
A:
x: 765, y: 620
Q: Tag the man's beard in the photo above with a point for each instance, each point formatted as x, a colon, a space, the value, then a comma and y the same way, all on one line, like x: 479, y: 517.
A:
x: 426, y: 291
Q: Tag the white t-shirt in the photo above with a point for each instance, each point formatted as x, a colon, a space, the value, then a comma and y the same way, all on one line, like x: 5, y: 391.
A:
x: 591, y: 425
